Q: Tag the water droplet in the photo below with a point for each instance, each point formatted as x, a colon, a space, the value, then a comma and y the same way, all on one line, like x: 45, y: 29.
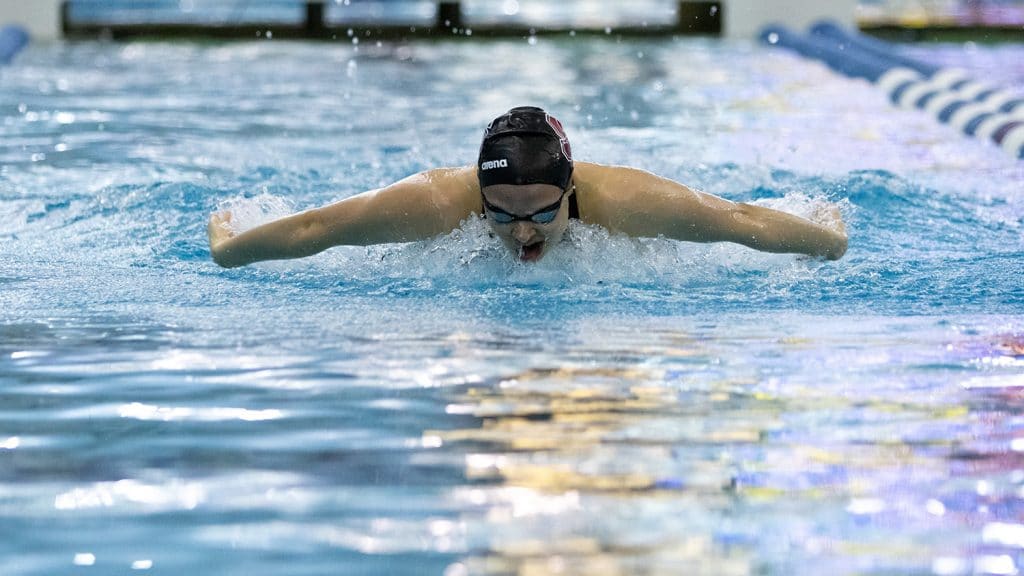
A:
x: 935, y: 508
x: 457, y: 569
x: 948, y: 566
x: 773, y: 38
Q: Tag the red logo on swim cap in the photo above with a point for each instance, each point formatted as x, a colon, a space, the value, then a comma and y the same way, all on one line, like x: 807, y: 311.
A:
x: 562, y: 138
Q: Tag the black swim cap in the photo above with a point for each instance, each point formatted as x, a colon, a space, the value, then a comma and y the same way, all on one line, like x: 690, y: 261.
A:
x: 525, y: 145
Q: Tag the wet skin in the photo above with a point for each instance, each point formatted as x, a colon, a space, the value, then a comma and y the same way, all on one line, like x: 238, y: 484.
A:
x: 529, y: 240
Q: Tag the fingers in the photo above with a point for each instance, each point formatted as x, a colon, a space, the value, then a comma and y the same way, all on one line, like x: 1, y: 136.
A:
x: 219, y: 232
x: 837, y: 218
x: 828, y: 215
x: 223, y: 217
x: 218, y: 229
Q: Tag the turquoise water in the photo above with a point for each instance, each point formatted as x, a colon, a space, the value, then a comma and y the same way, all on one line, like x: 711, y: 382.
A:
x: 624, y: 406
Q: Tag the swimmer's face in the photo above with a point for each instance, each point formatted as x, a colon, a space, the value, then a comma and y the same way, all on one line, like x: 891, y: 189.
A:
x: 529, y: 234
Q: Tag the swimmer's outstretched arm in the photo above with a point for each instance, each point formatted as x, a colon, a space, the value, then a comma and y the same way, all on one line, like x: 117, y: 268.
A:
x: 421, y: 206
x: 641, y: 204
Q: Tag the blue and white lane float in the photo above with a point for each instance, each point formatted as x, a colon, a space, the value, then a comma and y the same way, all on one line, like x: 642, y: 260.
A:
x: 12, y: 40
x: 956, y: 79
x: 948, y: 95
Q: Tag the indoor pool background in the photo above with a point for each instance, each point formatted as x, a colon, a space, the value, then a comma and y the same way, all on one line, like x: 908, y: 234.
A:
x: 623, y: 407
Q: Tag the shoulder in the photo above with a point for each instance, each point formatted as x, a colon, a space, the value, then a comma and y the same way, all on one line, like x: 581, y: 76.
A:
x: 454, y: 188
x: 605, y: 191
x: 450, y: 179
x: 453, y: 192
x: 589, y: 173
x: 452, y: 182
x: 621, y: 179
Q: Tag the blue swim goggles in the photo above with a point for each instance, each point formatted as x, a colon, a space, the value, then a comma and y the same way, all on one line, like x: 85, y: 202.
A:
x: 545, y: 215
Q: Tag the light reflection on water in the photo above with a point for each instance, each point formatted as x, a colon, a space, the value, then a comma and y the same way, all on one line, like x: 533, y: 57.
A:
x: 614, y: 446
x: 740, y: 470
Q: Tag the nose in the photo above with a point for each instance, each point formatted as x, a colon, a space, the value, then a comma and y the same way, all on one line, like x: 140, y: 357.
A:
x: 522, y: 232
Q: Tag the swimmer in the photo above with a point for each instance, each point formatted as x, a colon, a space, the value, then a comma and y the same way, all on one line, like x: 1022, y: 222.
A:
x: 527, y: 187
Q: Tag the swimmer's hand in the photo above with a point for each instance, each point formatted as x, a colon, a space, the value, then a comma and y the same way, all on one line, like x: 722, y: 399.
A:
x: 219, y: 231
x: 829, y: 217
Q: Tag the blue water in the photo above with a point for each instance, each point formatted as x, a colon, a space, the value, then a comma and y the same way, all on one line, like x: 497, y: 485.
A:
x: 631, y: 406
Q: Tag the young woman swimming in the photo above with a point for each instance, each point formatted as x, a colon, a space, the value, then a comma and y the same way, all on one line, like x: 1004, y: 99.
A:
x: 527, y: 186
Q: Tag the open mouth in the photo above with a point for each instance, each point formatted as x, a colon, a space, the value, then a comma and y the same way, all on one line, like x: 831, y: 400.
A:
x: 531, y: 252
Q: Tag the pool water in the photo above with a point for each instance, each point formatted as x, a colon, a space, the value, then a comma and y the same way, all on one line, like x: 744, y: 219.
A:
x: 622, y: 407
